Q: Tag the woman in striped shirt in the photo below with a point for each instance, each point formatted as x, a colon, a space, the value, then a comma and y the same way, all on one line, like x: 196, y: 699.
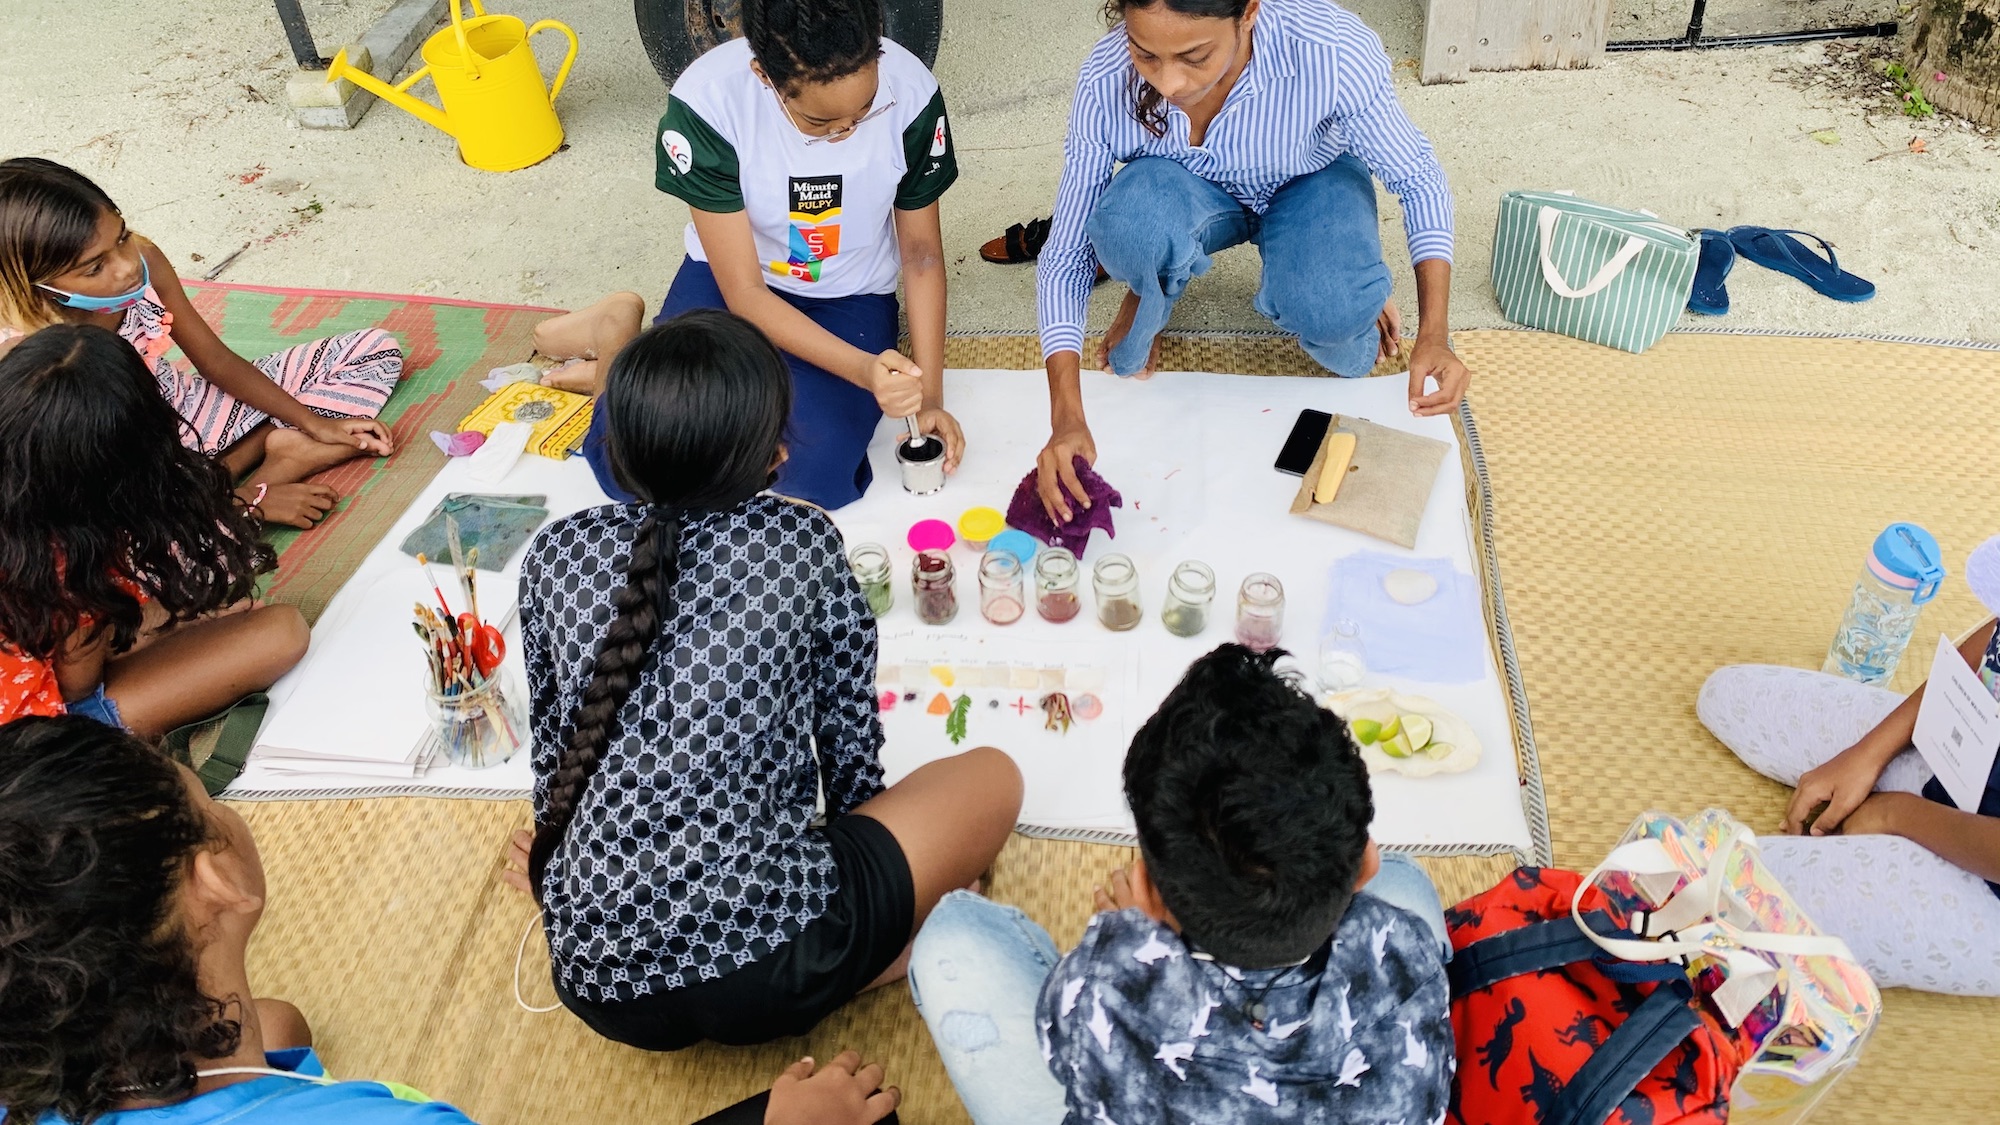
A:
x: 1239, y: 121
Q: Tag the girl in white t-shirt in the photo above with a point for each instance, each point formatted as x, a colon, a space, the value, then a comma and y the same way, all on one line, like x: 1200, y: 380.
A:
x: 811, y: 154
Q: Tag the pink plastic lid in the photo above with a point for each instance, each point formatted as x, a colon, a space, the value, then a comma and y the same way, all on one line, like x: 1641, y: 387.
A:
x: 931, y: 535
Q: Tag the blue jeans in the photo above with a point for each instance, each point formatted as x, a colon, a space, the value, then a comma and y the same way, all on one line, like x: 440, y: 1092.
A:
x: 832, y: 421
x: 976, y: 973
x: 1324, y: 279
x: 99, y: 706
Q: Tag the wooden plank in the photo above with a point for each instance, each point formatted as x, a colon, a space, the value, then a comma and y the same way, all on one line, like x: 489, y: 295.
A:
x: 1461, y: 36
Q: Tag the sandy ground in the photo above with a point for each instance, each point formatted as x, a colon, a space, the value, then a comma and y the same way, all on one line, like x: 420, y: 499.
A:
x: 180, y: 115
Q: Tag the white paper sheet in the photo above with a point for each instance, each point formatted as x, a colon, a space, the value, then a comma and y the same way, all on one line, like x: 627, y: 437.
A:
x: 1191, y: 454
x: 1958, y: 727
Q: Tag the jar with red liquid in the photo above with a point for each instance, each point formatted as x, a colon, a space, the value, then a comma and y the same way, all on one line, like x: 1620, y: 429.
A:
x: 1260, y: 612
x: 933, y: 582
x: 1056, y: 578
x: 1002, y: 599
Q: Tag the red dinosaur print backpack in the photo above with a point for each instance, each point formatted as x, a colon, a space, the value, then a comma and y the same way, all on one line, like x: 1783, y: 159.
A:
x: 1552, y: 1031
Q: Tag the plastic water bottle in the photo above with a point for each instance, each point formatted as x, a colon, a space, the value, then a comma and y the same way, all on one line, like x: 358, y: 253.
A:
x: 1903, y: 573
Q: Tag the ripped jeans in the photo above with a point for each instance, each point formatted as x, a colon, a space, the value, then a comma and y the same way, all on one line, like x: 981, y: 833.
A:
x: 976, y: 973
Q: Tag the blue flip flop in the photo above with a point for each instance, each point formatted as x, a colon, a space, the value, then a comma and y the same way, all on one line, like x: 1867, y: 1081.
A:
x: 1777, y: 250
x: 1718, y: 256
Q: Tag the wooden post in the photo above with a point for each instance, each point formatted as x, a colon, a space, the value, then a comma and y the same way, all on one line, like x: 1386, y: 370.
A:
x: 1461, y: 36
x: 1955, y: 57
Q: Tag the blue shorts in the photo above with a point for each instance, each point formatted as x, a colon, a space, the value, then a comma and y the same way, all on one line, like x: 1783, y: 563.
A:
x: 832, y: 421
x: 99, y: 706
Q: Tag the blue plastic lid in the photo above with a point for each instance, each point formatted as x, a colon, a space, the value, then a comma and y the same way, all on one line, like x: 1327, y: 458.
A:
x: 1019, y: 544
x: 1906, y: 556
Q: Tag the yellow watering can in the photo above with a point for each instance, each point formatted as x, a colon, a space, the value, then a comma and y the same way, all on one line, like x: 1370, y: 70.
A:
x: 491, y: 89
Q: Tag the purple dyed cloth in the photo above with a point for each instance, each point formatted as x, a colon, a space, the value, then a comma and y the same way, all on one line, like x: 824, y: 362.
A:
x: 1026, y: 513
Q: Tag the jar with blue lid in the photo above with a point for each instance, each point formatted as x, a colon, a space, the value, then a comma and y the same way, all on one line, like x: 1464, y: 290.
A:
x: 1902, y: 575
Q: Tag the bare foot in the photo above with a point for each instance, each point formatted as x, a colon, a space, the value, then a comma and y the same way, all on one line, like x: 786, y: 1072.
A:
x: 294, y: 505
x: 579, y: 376
x: 1120, y: 325
x: 290, y: 457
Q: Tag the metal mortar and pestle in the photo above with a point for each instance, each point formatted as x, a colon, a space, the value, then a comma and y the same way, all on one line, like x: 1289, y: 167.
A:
x: 922, y: 460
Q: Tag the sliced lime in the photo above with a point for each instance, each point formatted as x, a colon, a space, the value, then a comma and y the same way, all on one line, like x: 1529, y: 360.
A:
x: 1391, y: 729
x: 1437, y: 751
x: 1419, y: 729
x: 1366, y: 731
x: 1397, y: 745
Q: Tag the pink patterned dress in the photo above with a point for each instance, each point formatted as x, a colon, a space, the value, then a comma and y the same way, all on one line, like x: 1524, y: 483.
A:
x: 346, y: 376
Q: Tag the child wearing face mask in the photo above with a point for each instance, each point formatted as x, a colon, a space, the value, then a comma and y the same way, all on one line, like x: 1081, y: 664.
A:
x: 66, y: 256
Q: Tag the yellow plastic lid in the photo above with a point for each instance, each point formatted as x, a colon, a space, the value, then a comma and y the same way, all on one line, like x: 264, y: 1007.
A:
x: 981, y: 524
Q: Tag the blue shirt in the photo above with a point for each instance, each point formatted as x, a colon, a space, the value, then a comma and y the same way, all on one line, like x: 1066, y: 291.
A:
x: 1317, y: 86
x: 292, y: 1101
x: 1142, y: 1030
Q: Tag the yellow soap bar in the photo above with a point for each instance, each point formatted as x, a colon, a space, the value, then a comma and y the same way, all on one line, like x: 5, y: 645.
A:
x: 1333, y: 469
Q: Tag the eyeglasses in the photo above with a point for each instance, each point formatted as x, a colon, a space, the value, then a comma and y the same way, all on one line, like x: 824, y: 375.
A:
x: 837, y: 135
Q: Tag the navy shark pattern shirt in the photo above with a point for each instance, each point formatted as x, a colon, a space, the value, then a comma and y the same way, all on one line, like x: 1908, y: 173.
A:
x: 1141, y: 1029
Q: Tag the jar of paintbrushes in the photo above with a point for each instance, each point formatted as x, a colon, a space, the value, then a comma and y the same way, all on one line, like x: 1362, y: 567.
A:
x: 480, y: 718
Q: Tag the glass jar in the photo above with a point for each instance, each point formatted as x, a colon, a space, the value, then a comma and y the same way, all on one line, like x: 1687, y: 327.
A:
x: 871, y: 568
x: 933, y: 581
x: 1001, y: 598
x: 1260, y: 612
x: 479, y: 726
x: 1190, y: 591
x: 1056, y: 578
x: 1342, y: 661
x: 1116, y: 583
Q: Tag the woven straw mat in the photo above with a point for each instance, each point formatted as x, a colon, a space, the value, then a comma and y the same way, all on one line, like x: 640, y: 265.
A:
x: 1658, y: 516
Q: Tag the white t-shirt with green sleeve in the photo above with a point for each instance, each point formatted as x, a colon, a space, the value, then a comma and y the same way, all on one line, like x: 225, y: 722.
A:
x: 823, y: 214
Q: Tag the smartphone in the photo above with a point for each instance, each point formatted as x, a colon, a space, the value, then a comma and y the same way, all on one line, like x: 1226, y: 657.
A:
x: 1300, y: 448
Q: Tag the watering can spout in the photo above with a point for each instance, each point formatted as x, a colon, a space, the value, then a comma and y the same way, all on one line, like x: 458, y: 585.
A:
x: 340, y: 68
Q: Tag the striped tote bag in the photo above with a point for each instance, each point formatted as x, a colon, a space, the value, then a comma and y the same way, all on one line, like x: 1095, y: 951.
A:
x: 1583, y: 269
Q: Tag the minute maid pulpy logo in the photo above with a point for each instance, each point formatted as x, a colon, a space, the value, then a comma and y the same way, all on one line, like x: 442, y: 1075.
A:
x: 815, y: 234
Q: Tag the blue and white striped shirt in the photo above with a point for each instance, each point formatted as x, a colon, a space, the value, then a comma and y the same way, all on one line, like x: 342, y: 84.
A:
x: 1317, y: 85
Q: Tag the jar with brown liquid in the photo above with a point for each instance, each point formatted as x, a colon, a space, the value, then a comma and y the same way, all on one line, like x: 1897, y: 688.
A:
x: 933, y: 581
x: 1116, y: 583
x: 1056, y: 579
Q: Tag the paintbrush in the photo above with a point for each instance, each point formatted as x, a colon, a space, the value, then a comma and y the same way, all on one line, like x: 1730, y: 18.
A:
x: 442, y: 604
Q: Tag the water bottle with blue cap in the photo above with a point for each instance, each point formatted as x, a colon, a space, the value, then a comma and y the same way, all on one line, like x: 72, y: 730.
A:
x: 1903, y: 574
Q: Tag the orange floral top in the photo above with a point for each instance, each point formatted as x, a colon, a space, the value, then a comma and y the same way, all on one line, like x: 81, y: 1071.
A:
x: 27, y: 686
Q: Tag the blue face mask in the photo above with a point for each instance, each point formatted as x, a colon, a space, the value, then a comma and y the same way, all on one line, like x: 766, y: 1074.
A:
x: 118, y: 302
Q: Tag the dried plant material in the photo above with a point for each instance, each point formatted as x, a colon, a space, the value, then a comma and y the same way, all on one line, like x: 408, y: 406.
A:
x: 1056, y: 706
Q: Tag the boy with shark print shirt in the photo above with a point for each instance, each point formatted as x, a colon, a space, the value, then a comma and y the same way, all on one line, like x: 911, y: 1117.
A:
x: 1233, y: 974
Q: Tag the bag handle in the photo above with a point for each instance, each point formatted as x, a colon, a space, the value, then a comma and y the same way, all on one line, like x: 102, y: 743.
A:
x: 1655, y: 1029
x: 1693, y: 916
x: 1607, y: 274
x: 240, y: 724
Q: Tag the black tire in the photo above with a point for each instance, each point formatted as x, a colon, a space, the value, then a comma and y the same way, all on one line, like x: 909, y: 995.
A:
x: 677, y: 32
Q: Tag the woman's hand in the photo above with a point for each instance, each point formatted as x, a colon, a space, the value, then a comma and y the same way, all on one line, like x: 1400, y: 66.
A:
x: 843, y: 1092
x: 896, y: 382
x: 938, y: 423
x: 366, y: 434
x: 1434, y: 359
x: 1057, y: 482
x: 1842, y: 784
x: 1882, y: 814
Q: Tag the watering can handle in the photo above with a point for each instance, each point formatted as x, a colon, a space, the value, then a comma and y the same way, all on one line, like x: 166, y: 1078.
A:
x: 569, y: 60
x: 458, y: 28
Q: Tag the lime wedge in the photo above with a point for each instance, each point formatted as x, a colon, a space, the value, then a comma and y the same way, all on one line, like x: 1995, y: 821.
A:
x: 1438, y: 751
x: 1391, y: 729
x: 1398, y: 746
x: 1366, y: 730
x: 1419, y: 729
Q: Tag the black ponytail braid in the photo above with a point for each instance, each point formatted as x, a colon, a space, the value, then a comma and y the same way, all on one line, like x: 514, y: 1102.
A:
x: 800, y: 41
x: 650, y: 573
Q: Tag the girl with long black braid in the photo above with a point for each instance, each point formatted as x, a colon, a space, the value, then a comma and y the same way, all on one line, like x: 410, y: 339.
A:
x: 811, y: 154
x: 701, y: 666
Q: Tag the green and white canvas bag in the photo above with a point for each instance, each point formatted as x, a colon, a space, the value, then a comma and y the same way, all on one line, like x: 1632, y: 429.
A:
x: 1597, y: 273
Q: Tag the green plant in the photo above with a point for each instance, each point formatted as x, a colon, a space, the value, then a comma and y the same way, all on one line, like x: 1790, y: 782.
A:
x: 1915, y: 104
x: 954, y: 724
